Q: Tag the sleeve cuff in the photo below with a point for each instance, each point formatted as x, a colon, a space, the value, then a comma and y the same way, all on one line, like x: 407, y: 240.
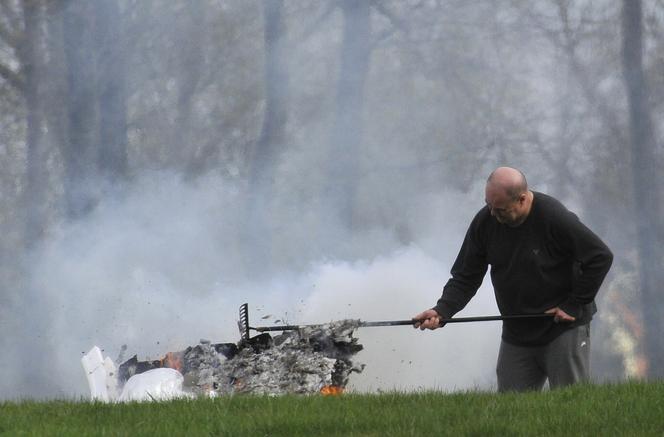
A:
x: 444, y: 311
x: 571, y: 308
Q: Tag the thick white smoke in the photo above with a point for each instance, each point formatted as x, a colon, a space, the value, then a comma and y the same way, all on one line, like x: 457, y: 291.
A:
x: 160, y: 268
x: 396, y: 287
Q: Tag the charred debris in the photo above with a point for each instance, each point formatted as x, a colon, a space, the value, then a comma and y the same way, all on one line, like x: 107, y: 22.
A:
x: 311, y: 359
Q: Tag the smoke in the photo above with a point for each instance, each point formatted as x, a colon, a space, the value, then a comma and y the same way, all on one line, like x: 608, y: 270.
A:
x: 160, y: 267
x: 169, y: 260
x: 396, y: 287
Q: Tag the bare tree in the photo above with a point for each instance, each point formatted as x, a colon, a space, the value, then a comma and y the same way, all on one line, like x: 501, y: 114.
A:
x: 188, y: 70
x: 110, y: 50
x: 80, y: 152
x: 95, y: 143
x: 31, y: 55
x: 22, y: 30
x: 647, y: 185
x: 272, y: 140
x: 346, y: 134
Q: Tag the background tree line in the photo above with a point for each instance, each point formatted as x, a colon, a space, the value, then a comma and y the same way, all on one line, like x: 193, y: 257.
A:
x: 340, y: 114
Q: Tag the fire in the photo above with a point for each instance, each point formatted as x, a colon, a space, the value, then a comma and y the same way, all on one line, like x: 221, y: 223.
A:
x: 331, y: 390
x: 238, y: 384
x: 172, y: 360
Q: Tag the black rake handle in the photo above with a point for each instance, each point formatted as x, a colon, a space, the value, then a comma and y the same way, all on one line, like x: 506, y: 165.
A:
x: 410, y: 322
x: 458, y: 320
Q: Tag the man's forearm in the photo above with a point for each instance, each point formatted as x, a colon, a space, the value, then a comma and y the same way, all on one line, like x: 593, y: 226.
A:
x: 454, y: 299
x: 589, y: 281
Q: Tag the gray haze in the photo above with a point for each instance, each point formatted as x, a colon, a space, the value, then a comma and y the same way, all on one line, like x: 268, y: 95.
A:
x: 332, y: 180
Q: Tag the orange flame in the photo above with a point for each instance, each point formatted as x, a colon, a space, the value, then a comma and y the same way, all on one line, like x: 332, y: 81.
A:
x: 172, y: 360
x: 331, y: 390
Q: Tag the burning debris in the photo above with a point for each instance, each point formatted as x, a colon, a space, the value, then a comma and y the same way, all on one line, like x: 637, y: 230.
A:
x: 309, y: 360
x: 301, y: 361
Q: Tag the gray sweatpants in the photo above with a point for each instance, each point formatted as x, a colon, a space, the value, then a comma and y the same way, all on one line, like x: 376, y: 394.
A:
x: 564, y: 361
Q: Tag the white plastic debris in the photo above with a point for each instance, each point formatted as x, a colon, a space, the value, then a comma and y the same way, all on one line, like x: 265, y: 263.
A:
x: 101, y: 375
x: 302, y: 361
x: 154, y: 385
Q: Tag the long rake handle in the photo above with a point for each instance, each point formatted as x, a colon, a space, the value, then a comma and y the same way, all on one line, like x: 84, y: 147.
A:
x: 411, y: 322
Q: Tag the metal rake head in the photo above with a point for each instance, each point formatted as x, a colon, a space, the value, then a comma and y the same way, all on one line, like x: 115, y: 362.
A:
x: 243, y: 323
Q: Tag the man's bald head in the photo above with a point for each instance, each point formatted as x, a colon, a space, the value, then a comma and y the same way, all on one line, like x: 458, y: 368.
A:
x: 507, y: 196
x: 509, y: 179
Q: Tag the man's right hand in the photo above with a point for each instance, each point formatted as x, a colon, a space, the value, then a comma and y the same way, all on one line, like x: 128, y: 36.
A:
x: 428, y: 319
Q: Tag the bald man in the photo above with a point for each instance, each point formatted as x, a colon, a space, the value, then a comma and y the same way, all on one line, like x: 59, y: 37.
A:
x: 543, y: 260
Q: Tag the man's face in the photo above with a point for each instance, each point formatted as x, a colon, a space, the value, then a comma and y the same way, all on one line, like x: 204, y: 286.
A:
x: 505, y: 209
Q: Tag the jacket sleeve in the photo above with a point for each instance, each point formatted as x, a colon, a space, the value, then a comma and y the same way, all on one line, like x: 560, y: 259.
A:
x: 593, y: 257
x: 467, y: 274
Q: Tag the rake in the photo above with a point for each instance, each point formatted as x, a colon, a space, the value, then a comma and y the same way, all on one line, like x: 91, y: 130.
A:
x: 243, y: 323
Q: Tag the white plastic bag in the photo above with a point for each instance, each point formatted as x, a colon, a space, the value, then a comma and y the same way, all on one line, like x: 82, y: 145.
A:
x: 154, y: 385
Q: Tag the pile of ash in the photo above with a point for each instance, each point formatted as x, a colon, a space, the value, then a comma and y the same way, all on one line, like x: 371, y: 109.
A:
x: 301, y: 361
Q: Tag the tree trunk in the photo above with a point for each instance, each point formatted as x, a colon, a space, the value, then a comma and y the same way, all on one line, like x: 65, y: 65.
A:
x: 272, y: 139
x: 647, y: 186
x: 33, y: 73
x: 187, y: 147
x: 346, y: 135
x: 80, y: 153
x: 35, y: 379
x: 111, y: 91
x: 56, y: 89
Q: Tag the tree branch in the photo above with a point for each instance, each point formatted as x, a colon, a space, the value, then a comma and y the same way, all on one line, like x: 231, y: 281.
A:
x: 10, y: 36
x: 397, y: 23
x: 11, y: 77
x: 309, y: 30
x: 12, y: 17
x: 567, y: 41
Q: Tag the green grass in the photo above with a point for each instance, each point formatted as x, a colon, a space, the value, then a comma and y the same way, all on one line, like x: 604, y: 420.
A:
x: 609, y: 410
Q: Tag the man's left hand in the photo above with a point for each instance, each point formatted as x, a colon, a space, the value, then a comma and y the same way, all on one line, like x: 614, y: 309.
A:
x: 560, y: 315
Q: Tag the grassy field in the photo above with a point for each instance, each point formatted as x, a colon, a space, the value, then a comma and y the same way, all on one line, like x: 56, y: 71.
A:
x: 626, y: 409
